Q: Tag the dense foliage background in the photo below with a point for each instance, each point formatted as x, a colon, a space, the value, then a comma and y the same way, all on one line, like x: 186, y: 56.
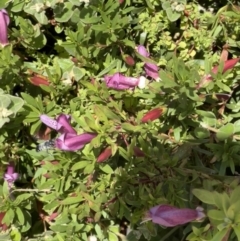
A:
x: 176, y: 141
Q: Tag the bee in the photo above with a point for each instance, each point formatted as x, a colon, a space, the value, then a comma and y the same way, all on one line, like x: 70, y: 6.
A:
x: 43, y: 136
x: 46, y: 145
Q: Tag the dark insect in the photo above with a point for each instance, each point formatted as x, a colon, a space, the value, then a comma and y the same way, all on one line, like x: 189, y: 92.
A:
x: 43, y: 136
x: 45, y: 146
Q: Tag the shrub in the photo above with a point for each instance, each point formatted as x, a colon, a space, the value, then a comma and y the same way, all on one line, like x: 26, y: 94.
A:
x: 119, y: 119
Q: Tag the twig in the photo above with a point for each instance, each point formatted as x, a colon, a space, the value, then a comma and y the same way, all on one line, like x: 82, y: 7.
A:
x: 31, y: 190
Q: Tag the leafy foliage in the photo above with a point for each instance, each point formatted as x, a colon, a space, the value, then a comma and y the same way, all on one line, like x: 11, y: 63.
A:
x: 175, y: 142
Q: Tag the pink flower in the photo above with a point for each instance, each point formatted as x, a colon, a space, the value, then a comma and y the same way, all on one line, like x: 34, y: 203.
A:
x: 170, y: 216
x: 68, y: 140
x: 121, y: 82
x: 4, y: 22
x: 143, y: 51
x: 73, y: 142
x: 150, y: 69
x: 10, y: 176
x: 60, y: 124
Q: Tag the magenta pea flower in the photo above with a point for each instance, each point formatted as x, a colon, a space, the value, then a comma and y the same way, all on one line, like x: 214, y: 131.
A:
x: 60, y: 124
x: 10, y: 176
x: 68, y: 140
x: 121, y: 82
x: 72, y: 142
x: 170, y: 216
x: 150, y: 69
x: 4, y: 22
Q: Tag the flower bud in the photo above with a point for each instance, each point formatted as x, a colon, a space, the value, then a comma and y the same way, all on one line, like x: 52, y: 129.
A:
x: 38, y: 80
x: 105, y: 155
x: 138, y: 152
x: 152, y: 115
x: 129, y: 60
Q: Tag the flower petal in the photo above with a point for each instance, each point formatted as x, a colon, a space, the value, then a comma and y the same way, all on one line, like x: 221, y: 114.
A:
x: 120, y: 82
x: 4, y: 21
x: 49, y: 122
x: 61, y: 123
x: 71, y: 142
x: 143, y: 51
x: 142, y: 82
x: 10, y: 178
x: 10, y: 168
x: 129, y: 81
x: 6, y: 16
x: 64, y: 122
x: 152, y: 71
x: 170, y: 216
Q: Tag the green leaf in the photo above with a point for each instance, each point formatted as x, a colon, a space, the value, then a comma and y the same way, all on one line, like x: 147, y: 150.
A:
x: 130, y: 127
x: 27, y: 224
x: 216, y: 215
x: 207, y: 117
x: 98, y: 231
x: 3, y: 3
x: 30, y: 100
x: 15, y: 235
x: 149, y: 4
x: 220, y: 235
x: 91, y: 20
x: 107, y: 169
x: 3, y: 121
x: 112, y: 236
x: 111, y: 66
x: 237, y: 231
x: 167, y: 80
x: 72, y: 200
x: 79, y: 165
x: 172, y: 16
x: 63, y: 12
x: 89, y: 168
x: 5, y: 189
x: 41, y: 17
x: 100, y: 27
x: 19, y: 199
x: 78, y: 73
x: 20, y: 215
x: 110, y: 114
x: 204, y: 196
x: 225, y: 132
x: 234, y: 197
x: 17, y: 5
x: 201, y: 133
x: 5, y: 101
x: 8, y: 217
